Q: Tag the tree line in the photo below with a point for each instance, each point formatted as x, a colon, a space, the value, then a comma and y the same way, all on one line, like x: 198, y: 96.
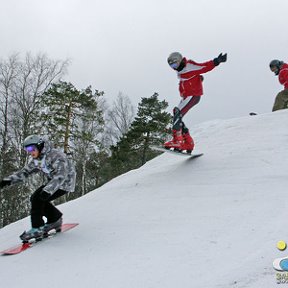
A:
x: 103, y: 141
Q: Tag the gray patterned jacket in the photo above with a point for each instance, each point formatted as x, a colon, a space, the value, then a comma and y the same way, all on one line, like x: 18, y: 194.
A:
x: 59, y: 170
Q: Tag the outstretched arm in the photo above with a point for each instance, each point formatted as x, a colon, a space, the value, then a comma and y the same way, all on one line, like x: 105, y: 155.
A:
x: 22, y: 174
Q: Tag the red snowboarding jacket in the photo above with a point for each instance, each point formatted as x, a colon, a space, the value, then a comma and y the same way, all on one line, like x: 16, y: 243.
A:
x: 283, y: 75
x: 190, y: 77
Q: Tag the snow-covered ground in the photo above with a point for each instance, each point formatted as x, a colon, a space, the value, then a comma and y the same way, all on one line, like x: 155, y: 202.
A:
x: 209, y: 222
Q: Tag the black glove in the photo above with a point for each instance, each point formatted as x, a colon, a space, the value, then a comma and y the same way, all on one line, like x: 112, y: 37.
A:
x: 221, y: 58
x: 4, y: 183
x: 44, y: 196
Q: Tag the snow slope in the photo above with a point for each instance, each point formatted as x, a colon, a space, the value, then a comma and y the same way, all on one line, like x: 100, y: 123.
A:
x: 209, y: 222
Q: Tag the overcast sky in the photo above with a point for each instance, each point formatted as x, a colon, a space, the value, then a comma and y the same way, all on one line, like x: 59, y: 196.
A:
x: 122, y: 46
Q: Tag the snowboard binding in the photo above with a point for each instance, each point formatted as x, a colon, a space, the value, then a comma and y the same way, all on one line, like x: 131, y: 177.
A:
x: 35, y: 234
x: 179, y: 150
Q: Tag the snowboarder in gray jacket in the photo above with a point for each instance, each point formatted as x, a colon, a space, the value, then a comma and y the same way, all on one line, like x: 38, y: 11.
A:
x: 60, y: 174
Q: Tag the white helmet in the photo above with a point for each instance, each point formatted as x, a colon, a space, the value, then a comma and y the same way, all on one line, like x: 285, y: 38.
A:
x: 34, y: 140
x: 174, y: 60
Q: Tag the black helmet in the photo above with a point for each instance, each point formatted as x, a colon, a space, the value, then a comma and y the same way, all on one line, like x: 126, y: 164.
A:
x: 34, y: 140
x: 275, y: 66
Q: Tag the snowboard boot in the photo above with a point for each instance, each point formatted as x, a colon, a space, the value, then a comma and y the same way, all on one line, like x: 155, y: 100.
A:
x: 188, y: 143
x: 33, y: 233
x: 53, y: 226
x: 176, y: 142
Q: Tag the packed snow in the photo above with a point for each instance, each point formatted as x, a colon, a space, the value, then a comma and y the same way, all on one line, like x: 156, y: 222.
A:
x: 213, y: 221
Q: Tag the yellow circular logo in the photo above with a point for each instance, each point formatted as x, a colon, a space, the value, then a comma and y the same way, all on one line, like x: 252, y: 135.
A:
x: 281, y: 245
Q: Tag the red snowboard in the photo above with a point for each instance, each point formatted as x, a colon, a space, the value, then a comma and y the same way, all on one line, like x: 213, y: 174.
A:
x: 22, y: 247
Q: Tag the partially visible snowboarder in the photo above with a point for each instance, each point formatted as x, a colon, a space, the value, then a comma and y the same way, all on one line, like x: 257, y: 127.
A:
x: 190, y: 88
x: 280, y: 69
x: 60, y: 174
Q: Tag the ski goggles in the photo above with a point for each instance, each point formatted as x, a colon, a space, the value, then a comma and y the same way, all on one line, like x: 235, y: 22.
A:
x: 274, y: 69
x: 174, y: 65
x: 30, y: 148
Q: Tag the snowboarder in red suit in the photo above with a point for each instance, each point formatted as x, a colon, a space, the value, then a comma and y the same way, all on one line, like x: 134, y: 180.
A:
x: 191, y: 89
x: 280, y: 69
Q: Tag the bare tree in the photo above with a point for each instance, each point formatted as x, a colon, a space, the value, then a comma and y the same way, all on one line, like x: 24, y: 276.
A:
x: 34, y: 77
x: 120, y: 117
x: 8, y: 74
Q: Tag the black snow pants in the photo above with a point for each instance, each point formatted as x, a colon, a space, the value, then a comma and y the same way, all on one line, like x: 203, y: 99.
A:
x: 40, y: 208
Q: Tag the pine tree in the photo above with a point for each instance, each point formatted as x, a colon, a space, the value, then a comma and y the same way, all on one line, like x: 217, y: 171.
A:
x: 64, y: 108
x: 149, y: 127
